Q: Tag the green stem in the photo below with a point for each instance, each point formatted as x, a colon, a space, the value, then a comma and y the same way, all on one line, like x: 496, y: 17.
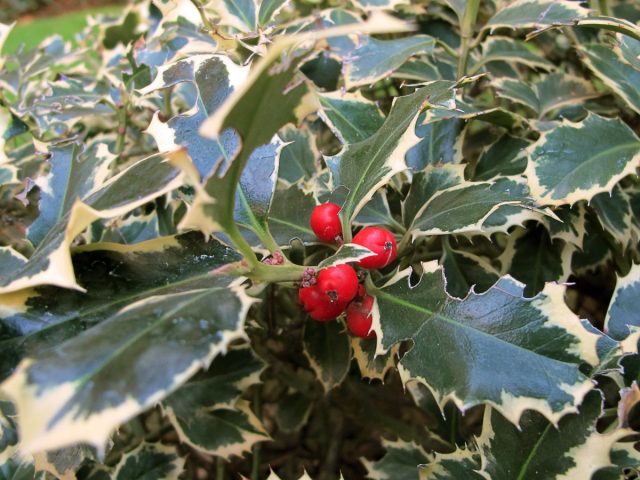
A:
x: 122, y: 130
x: 255, y: 461
x: 167, y: 110
x: 405, y: 244
x: 276, y: 273
x: 346, y: 230
x: 466, y: 33
x: 241, y: 244
x: 265, y: 237
x: 219, y: 468
x: 205, y: 20
x: 603, y: 5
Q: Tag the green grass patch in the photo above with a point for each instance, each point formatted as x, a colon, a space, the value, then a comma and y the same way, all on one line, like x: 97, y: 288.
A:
x: 32, y: 32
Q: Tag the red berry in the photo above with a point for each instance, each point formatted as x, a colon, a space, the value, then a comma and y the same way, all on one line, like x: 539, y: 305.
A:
x: 325, y: 222
x: 359, y: 317
x: 333, y: 289
x: 380, y: 242
x: 339, y: 283
x: 316, y: 304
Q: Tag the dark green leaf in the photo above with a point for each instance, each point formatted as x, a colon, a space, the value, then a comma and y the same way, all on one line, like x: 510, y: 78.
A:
x: 365, y: 166
x: 207, y: 412
x: 149, y: 304
x: 400, y: 462
x: 150, y: 461
x: 376, y: 59
x: 328, y: 350
x: 576, y: 161
x: 351, y: 117
x: 467, y: 350
x: 438, y: 144
x: 538, y: 449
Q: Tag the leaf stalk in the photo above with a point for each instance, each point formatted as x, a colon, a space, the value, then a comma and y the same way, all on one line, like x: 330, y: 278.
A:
x: 466, y: 33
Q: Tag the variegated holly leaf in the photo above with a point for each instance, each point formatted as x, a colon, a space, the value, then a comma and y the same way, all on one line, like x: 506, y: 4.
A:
x: 507, y: 216
x: 372, y: 366
x: 145, y: 304
x: 348, y: 252
x: 615, y: 215
x: 272, y: 96
x: 509, y: 50
x: 505, y: 157
x: 462, y: 464
x: 419, y: 70
x: 560, y: 90
x: 215, y: 77
x: 464, y: 111
x: 625, y: 459
x: 440, y: 143
x: 269, y: 9
x: 595, y: 251
x: 351, y: 117
x: 207, y: 412
x: 5, y: 123
x: 305, y: 476
x: 538, y: 449
x: 400, y: 462
x: 254, y: 193
x: 293, y: 411
x: 239, y: 14
x: 20, y: 469
x: 445, y: 426
x: 623, y: 315
x: 537, y: 14
x: 365, y: 166
x: 289, y: 216
x: 376, y: 59
x: 369, y: 5
x: 534, y: 259
x: 8, y: 174
x: 299, y: 156
x: 70, y: 101
x: 73, y: 174
x: 132, y: 229
x: 466, y: 272
x: 64, y: 463
x: 614, y: 69
x: 8, y: 430
x: 517, y: 91
x: 376, y: 212
x: 328, y: 350
x: 151, y: 461
x: 426, y: 184
x: 619, y: 25
x: 569, y: 224
x: 465, y: 207
x: 466, y: 351
x: 553, y: 92
x: 576, y: 161
x: 50, y: 263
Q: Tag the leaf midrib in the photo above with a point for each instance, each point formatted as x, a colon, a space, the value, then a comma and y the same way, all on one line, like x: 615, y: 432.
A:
x: 532, y: 453
x: 134, y: 338
x: 457, y: 324
x: 329, y: 106
x: 349, y: 204
x: 105, y: 306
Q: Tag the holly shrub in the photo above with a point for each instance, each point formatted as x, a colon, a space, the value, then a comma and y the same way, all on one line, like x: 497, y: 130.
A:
x: 158, y: 177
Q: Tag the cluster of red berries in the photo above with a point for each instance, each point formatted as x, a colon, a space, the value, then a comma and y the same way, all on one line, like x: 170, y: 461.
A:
x: 337, y: 289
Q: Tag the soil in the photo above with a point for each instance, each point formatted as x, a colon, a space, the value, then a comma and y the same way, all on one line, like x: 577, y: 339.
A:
x: 59, y: 7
